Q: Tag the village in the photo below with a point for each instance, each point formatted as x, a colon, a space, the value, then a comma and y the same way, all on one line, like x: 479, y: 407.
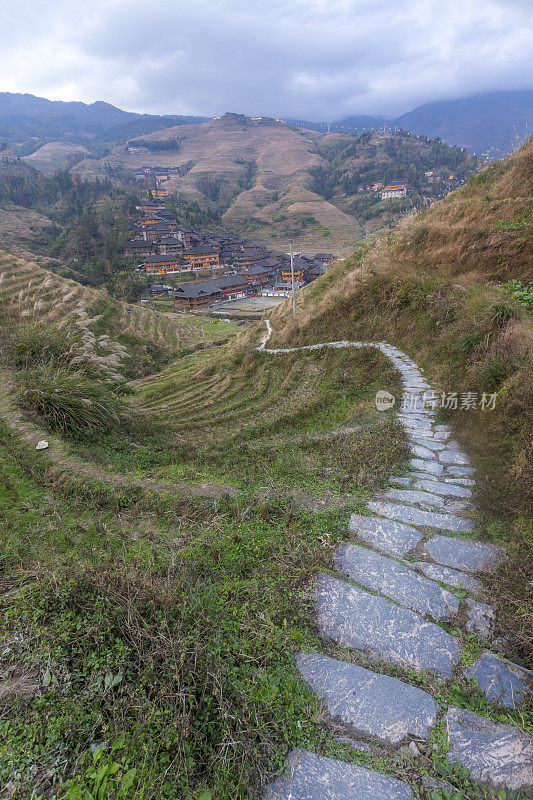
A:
x: 237, y: 268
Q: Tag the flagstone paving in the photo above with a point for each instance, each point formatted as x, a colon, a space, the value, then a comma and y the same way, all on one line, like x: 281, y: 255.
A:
x: 382, y: 609
x: 501, y: 680
x: 395, y: 580
x: 497, y: 755
x: 370, y: 704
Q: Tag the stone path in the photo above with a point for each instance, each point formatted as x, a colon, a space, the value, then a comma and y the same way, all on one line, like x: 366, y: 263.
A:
x: 399, y: 578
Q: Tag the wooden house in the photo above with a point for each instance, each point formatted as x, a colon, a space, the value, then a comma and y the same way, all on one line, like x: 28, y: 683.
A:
x: 257, y: 274
x: 202, y: 257
x: 139, y: 247
x: 194, y: 296
x: 163, y: 264
x: 170, y: 245
x: 150, y: 220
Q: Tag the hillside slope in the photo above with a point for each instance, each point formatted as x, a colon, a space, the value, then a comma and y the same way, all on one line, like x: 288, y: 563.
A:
x: 128, y: 339
x: 431, y: 288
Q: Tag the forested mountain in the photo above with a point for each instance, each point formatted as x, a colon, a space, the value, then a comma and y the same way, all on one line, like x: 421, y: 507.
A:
x: 28, y: 122
x: 495, y: 123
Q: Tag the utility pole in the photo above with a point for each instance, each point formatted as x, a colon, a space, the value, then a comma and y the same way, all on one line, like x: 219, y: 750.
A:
x: 293, y: 287
x: 203, y: 334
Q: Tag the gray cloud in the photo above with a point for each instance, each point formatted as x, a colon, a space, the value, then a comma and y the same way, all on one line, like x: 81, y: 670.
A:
x: 316, y: 59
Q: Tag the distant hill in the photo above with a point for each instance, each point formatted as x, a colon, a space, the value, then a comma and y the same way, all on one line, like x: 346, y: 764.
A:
x: 494, y: 123
x: 28, y: 122
x: 276, y: 183
x: 54, y: 156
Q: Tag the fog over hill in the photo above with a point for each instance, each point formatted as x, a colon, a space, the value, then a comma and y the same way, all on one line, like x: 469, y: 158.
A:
x: 492, y: 124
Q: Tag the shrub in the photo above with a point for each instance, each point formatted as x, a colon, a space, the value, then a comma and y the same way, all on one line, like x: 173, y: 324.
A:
x: 70, y: 401
x: 28, y: 345
x: 522, y: 291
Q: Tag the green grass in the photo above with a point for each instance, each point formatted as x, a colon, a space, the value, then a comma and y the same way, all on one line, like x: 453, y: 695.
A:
x: 174, y: 638
x: 258, y: 421
x: 165, y: 631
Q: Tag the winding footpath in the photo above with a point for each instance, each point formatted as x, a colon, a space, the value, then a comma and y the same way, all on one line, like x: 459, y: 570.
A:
x: 397, y: 579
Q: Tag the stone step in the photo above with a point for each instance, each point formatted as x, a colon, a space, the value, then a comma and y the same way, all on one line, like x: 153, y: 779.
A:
x: 502, y: 681
x: 425, y: 498
x: 420, y: 451
x: 429, y: 444
x: 415, y: 516
x: 371, y: 624
x: 453, y: 457
x: 392, y: 538
x: 370, y: 704
x: 395, y: 580
x: 497, y: 755
x: 464, y: 554
x: 479, y: 617
x: 460, y: 472
x: 312, y: 777
x: 453, y: 577
x: 426, y: 466
x: 445, y: 489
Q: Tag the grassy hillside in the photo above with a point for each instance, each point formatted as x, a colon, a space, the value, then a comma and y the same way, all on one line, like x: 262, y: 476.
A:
x: 155, y: 569
x: 129, y: 337
x: 438, y: 288
x: 161, y: 618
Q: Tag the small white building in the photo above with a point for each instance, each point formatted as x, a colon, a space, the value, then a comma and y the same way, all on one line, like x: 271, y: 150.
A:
x: 394, y: 190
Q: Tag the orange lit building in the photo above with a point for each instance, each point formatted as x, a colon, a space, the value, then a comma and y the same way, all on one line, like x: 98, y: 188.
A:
x: 202, y: 258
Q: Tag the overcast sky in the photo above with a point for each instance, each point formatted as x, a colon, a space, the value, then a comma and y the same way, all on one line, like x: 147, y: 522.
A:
x: 312, y: 59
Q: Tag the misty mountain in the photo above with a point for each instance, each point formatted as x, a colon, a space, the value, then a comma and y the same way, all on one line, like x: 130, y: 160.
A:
x: 494, y: 123
x: 27, y: 122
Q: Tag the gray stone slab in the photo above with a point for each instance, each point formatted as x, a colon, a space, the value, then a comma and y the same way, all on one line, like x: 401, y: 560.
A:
x: 429, y: 444
x: 416, y: 497
x: 313, y: 777
x: 424, y: 476
x: 399, y: 480
x: 426, y: 466
x: 444, y: 489
x: 422, y: 452
x: 453, y: 577
x: 460, y: 472
x: 464, y: 553
x: 497, y: 755
x: 395, y: 580
x: 453, y: 457
x: 502, y: 681
x: 370, y: 704
x: 393, y: 538
x: 371, y: 624
x: 479, y: 617
x: 415, y: 516
x: 460, y: 481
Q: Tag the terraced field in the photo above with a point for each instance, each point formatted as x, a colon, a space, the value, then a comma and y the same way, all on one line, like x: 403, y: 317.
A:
x: 234, y: 416
x: 112, y: 330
